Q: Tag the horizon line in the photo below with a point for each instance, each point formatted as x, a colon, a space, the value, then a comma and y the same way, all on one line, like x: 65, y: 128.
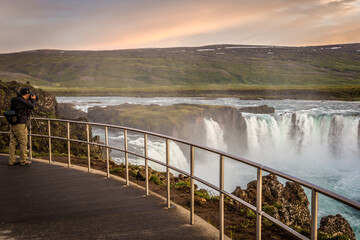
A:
x: 198, y: 46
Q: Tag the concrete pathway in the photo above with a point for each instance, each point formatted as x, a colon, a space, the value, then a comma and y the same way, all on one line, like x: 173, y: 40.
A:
x: 51, y: 201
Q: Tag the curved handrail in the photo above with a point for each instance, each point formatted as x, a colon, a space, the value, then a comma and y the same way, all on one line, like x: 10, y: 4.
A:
x: 258, y: 209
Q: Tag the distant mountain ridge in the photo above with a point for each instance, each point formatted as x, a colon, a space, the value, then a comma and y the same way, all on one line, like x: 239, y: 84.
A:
x: 186, y: 66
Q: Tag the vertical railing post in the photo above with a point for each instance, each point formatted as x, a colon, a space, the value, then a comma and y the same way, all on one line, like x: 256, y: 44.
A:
x: 107, y: 152
x: 192, y: 187
x: 221, y: 199
x: 49, y: 136
x: 126, y: 157
x: 30, y: 142
x: 168, y: 171
x: 146, y: 165
x: 314, y: 214
x: 258, y: 203
x: 68, y: 137
x: 88, y: 146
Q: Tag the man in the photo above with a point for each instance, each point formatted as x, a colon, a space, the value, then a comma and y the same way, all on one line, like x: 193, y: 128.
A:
x: 21, y: 104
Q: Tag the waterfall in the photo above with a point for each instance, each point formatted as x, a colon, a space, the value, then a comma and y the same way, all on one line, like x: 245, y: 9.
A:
x: 156, y: 150
x: 214, y: 135
x: 302, y: 137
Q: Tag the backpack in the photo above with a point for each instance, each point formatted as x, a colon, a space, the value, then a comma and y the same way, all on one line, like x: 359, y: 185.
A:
x: 12, y: 117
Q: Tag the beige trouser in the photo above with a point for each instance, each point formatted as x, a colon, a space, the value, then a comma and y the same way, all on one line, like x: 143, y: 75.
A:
x: 18, y: 135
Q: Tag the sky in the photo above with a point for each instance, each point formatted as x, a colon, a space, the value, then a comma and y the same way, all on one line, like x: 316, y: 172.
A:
x: 122, y: 24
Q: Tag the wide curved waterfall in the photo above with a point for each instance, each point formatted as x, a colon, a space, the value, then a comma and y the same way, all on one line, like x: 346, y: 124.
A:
x: 318, y: 141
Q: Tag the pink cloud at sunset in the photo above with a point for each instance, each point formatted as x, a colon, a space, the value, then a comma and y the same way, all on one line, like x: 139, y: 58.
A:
x: 97, y: 25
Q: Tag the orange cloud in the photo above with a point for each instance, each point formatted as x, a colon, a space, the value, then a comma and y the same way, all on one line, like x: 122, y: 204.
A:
x: 294, y: 23
x: 134, y: 24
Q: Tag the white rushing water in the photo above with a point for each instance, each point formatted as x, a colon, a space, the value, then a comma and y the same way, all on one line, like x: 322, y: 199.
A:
x: 214, y: 135
x: 307, y: 139
x: 317, y: 141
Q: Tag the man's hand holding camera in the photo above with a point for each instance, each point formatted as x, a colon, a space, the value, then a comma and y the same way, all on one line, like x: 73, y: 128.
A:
x: 33, y: 96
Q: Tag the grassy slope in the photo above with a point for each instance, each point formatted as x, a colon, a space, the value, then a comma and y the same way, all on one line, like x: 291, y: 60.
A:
x: 183, y: 69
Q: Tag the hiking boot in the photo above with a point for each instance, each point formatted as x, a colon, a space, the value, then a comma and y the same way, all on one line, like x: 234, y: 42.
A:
x: 12, y: 164
x: 26, y: 163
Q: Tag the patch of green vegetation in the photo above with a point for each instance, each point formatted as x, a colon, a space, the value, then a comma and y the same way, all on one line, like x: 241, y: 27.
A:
x: 250, y: 213
x: 269, y: 209
x: 116, y: 170
x: 231, y: 229
x: 134, y: 167
x: 203, y: 194
x: 247, y: 223
x: 5, y: 149
x: 303, y: 231
x: 181, y: 184
x: 155, y: 179
x: 133, y: 172
x: 217, y: 198
x: 321, y: 235
x: 277, y: 205
x: 324, y: 236
x: 267, y: 222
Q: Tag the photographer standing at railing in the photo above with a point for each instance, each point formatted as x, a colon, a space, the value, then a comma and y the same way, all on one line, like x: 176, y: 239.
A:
x: 22, y: 105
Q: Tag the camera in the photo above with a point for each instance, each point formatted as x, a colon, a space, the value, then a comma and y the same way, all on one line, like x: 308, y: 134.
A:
x: 33, y: 95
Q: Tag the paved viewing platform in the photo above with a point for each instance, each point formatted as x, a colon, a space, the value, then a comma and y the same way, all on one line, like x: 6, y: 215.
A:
x: 52, y: 201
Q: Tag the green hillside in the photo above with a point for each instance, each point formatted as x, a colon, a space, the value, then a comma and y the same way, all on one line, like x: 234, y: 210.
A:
x: 320, y: 72
x: 217, y: 65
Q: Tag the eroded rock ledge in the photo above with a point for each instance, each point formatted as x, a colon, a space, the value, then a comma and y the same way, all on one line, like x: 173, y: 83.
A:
x: 263, y: 109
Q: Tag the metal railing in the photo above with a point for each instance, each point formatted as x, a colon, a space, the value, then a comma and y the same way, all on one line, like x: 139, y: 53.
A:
x: 315, y: 190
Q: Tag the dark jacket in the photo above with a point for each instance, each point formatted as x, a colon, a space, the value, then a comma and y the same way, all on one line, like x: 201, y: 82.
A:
x: 22, y: 107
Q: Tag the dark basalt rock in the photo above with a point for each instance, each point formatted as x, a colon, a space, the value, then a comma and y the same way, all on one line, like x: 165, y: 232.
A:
x: 288, y: 204
x: 259, y: 110
x: 336, y: 226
